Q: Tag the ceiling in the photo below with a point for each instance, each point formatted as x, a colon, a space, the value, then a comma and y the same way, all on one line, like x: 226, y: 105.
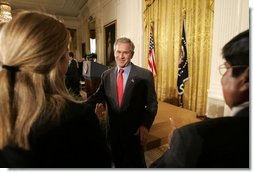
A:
x: 57, y: 7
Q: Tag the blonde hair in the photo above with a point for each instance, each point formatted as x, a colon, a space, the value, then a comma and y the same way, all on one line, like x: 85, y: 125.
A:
x: 1, y: 24
x: 32, y: 45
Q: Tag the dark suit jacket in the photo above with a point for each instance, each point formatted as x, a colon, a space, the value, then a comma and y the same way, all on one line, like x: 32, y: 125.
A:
x: 72, y: 78
x: 139, y: 104
x: 215, y: 143
x: 75, y: 141
x: 12, y: 156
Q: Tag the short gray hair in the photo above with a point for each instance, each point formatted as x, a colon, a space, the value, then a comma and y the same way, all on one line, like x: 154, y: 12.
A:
x: 125, y: 40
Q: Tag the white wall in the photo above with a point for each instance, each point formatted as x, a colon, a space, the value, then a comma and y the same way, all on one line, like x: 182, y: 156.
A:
x: 74, y: 23
x: 130, y: 24
x: 230, y: 18
x: 128, y: 16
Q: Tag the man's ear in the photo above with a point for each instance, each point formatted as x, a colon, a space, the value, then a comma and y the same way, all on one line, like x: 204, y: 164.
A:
x: 245, y: 80
x: 132, y: 54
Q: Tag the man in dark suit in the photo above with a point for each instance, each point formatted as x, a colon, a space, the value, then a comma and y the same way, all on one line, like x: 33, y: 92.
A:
x: 220, y: 142
x: 131, y: 116
x: 72, y: 79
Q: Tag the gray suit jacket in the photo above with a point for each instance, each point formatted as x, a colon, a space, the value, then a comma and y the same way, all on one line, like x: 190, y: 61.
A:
x: 139, y: 105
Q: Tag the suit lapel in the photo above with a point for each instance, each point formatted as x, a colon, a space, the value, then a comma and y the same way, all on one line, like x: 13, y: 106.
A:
x: 129, y: 86
x: 113, y: 87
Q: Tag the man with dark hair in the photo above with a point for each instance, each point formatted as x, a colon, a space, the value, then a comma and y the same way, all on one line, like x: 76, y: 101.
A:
x: 72, y: 79
x: 219, y: 142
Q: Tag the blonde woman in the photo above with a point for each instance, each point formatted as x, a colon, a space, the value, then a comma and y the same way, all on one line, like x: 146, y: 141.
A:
x: 37, y: 114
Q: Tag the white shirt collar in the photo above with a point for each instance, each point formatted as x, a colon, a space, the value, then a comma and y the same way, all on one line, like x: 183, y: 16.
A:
x: 126, y: 68
x: 238, y: 108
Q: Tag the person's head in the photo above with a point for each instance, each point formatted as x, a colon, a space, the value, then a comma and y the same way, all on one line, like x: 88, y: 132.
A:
x: 123, y: 51
x: 235, y: 79
x: 34, y: 60
x: 71, y: 55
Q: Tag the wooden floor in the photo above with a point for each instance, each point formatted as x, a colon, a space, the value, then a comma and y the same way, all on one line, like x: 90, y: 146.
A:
x: 154, y: 154
x: 167, y: 119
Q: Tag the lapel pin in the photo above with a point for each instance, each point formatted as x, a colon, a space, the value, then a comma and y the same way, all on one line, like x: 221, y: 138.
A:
x: 132, y: 80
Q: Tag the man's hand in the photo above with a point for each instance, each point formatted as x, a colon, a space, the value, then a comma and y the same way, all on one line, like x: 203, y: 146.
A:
x: 100, y: 111
x: 143, y: 131
x: 173, y: 125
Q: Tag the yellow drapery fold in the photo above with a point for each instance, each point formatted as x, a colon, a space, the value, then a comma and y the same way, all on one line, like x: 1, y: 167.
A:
x: 167, y: 16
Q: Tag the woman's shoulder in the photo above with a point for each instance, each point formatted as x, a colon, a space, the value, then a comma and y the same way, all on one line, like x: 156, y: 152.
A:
x: 76, y: 135
x: 74, y: 116
x: 81, y: 111
x: 76, y: 107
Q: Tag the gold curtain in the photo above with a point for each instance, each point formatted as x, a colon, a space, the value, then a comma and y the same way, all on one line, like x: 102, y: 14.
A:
x: 166, y: 18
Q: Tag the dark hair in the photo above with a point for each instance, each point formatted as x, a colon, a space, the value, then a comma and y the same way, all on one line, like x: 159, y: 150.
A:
x: 71, y: 54
x: 236, y: 52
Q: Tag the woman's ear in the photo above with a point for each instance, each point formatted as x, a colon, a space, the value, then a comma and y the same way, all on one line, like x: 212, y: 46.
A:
x: 64, y: 63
